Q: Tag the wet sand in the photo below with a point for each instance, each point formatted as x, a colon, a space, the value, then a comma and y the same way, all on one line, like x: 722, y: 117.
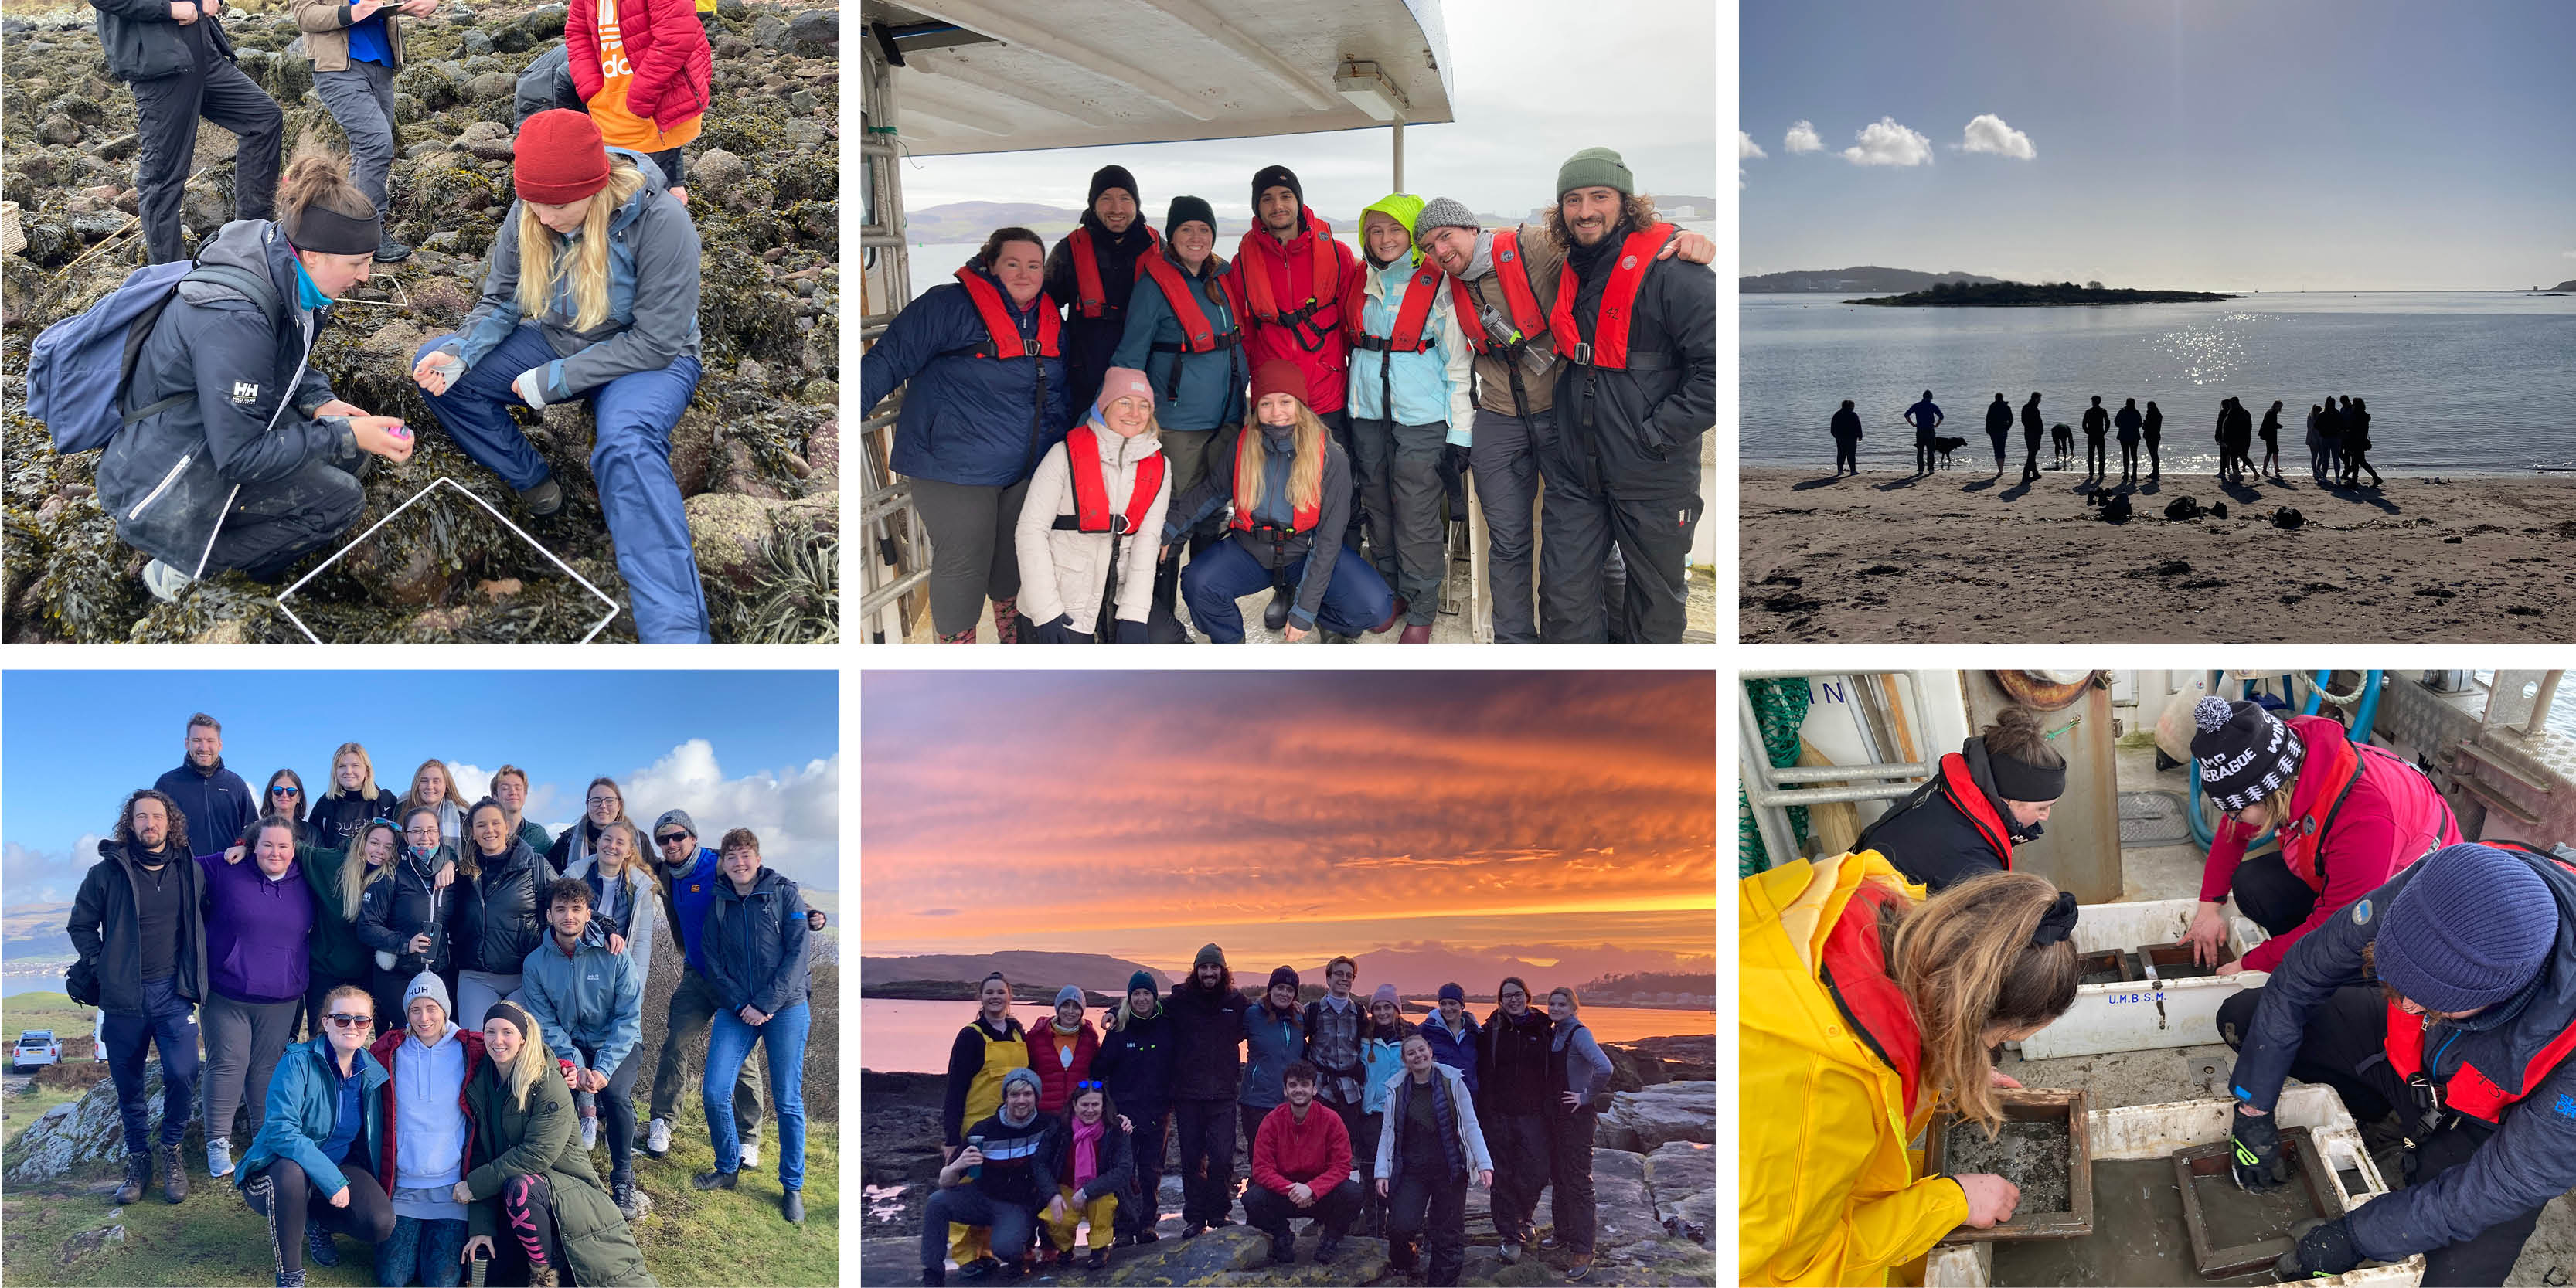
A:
x: 1963, y: 557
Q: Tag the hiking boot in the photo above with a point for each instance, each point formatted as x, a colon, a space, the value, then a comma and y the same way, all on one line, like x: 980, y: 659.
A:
x: 1195, y: 1229
x: 543, y: 499
x: 1328, y: 1246
x: 1064, y: 1257
x: 1393, y: 615
x: 1275, y: 617
x: 291, y: 1278
x: 978, y: 1270
x: 138, y: 1170
x: 750, y: 1155
x: 657, y: 1137
x: 590, y: 1133
x: 715, y: 1180
x: 792, y: 1206
x: 1148, y: 1236
x: 219, y: 1157
x: 1581, y: 1269
x: 934, y: 1277
x: 1099, y: 1257
x: 1550, y: 1242
x: 390, y: 251
x: 174, y: 1178
x: 1283, y: 1248
x: 318, y: 1247
x: 1415, y: 635
x: 164, y: 581
x: 621, y: 1189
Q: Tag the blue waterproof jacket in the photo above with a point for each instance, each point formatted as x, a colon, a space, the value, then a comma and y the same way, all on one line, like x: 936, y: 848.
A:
x: 589, y: 995
x: 966, y: 419
x: 1272, y: 1041
x: 216, y: 803
x: 304, y: 1106
x: 757, y: 945
x: 1210, y: 392
x: 1458, y: 1053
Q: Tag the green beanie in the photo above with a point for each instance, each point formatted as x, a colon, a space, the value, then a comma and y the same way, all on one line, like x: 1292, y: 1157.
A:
x: 1595, y: 168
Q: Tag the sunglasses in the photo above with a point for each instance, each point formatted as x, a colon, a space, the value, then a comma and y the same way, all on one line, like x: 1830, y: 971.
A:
x: 283, y: 791
x: 674, y: 838
x: 349, y: 1021
x: 1089, y: 1086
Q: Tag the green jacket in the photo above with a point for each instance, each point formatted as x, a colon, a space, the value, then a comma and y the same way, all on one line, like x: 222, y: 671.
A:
x: 543, y: 1139
x: 336, y: 949
x: 304, y: 1105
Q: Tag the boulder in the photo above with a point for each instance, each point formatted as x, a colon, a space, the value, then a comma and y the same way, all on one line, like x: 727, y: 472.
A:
x: 77, y: 1134
x: 59, y: 129
x: 1188, y: 1261
x: 1673, y: 1111
x: 490, y: 86
x: 476, y: 44
x: 1683, y: 1178
x: 1623, y: 1207
x: 716, y: 170
x: 770, y: 32
x: 1631, y: 1069
x: 815, y: 31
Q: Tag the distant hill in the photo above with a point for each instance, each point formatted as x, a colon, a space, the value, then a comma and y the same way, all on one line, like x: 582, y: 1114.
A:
x: 1087, y: 970
x: 971, y: 221
x: 2568, y: 285
x: 2029, y: 295
x: 34, y: 931
x: 1861, y: 279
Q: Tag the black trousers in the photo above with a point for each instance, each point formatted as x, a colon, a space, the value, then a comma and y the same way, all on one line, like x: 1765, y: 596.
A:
x: 1519, y: 1144
x: 1149, y: 1142
x: 2343, y: 1047
x: 2097, y: 458
x: 292, y: 1203
x: 271, y: 525
x: 1207, y: 1159
x: 2030, y: 462
x: 1270, y: 1212
x: 170, y: 107
x: 2002, y: 440
x: 1364, y: 1134
x: 2156, y: 454
x: 2270, y: 896
x: 1569, y: 1147
x: 1923, y: 457
x: 617, y: 1108
x: 1425, y: 1205
x: 1579, y: 527
x: 2128, y: 458
x: 1846, y: 454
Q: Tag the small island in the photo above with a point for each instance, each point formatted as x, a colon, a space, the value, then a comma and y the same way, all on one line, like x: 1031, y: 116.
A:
x: 2029, y: 295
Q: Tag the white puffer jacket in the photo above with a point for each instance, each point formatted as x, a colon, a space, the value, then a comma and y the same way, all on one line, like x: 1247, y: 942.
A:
x: 1064, y: 572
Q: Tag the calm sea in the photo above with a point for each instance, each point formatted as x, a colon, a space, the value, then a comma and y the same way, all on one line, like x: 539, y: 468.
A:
x: 2455, y: 381
x: 913, y: 1037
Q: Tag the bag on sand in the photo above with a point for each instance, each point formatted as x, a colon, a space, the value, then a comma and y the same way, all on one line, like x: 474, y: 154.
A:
x: 78, y: 369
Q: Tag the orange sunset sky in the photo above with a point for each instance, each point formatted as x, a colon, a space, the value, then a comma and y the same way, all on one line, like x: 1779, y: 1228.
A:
x: 1562, y: 818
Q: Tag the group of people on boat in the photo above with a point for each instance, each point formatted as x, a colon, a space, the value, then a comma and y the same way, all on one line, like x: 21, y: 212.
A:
x: 1097, y: 431
x: 421, y: 1016
x: 2430, y: 981
x: 1354, y: 1118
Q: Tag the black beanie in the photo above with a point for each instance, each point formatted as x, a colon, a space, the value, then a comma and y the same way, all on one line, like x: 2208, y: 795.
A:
x: 1275, y: 176
x: 2244, y: 753
x: 1283, y: 975
x: 1112, y: 176
x: 1185, y: 209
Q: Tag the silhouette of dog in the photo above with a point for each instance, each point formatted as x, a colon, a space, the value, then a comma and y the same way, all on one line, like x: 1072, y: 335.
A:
x: 2064, y: 438
x: 1942, y: 447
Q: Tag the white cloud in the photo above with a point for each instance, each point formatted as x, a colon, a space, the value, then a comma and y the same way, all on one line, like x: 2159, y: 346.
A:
x: 2571, y: 254
x: 1885, y: 142
x: 1746, y: 148
x: 1802, y: 138
x: 35, y: 876
x: 796, y: 812
x: 1988, y: 133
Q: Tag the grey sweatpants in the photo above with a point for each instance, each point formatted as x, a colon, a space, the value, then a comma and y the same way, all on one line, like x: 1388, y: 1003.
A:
x: 972, y: 553
x: 361, y: 99
x: 1399, y: 472
x: 244, y: 1041
x: 1506, y: 470
x: 477, y: 990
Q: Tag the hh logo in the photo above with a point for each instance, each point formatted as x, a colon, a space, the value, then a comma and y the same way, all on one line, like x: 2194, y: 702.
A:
x: 245, y: 392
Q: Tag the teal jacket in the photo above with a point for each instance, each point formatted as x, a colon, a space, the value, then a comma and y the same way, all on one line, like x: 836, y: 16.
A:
x: 591, y: 995
x: 1209, y: 394
x: 303, y: 1107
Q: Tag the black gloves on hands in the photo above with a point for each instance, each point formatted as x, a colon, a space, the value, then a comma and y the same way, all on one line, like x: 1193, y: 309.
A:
x: 2257, y: 1162
x: 2324, y: 1248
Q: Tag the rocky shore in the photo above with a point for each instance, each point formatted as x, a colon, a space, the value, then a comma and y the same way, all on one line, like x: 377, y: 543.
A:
x: 757, y: 454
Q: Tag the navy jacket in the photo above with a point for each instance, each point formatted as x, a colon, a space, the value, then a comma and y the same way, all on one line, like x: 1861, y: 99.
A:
x: 2529, y: 1160
x: 1272, y: 1040
x: 143, y: 42
x: 757, y: 945
x: 966, y: 419
x: 1135, y: 1063
x: 216, y: 803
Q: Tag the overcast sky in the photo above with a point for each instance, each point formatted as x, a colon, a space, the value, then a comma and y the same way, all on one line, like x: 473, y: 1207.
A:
x: 1532, y: 83
x: 2279, y: 145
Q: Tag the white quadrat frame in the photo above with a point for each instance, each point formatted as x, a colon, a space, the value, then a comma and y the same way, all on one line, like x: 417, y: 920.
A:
x: 489, y: 509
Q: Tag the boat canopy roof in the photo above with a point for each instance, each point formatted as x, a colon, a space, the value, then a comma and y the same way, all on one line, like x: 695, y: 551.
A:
x: 1019, y: 75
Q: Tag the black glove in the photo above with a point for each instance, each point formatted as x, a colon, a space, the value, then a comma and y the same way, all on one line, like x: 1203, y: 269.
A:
x: 2257, y: 1153
x: 1132, y: 632
x: 2323, y: 1248
x: 1059, y: 631
x: 1457, y: 459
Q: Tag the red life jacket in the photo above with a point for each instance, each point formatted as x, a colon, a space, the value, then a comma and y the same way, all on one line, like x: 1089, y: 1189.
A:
x: 2471, y: 1092
x: 1608, y: 346
x: 1961, y: 787
x: 1090, y: 297
x: 1302, y: 519
x: 1003, y: 332
x: 1421, y: 291
x: 1854, y: 970
x: 1518, y: 295
x: 1262, y: 301
x: 2303, y: 840
x: 1198, y: 335
x: 1091, y: 512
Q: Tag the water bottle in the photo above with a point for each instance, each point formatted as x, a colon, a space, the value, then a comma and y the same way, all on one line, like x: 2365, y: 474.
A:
x: 975, y: 1173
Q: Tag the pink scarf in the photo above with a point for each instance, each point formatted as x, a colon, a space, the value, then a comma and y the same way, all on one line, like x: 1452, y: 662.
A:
x: 1086, y: 1151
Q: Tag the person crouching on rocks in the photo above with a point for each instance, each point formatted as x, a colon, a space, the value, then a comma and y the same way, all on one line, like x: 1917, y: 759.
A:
x: 592, y: 293
x: 1288, y: 481
x: 1826, y: 1111
x: 241, y: 456
x: 1087, y: 534
x: 993, y: 1182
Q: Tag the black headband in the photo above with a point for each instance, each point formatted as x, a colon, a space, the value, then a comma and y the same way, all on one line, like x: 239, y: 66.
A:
x: 328, y: 232
x: 2056, y: 924
x: 2018, y: 781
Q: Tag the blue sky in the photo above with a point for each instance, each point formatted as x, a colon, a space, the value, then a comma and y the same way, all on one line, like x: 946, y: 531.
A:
x: 2272, y: 144
x: 757, y: 749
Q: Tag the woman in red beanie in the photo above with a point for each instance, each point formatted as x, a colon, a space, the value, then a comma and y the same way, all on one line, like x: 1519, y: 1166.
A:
x: 1287, y: 481
x: 643, y: 67
x: 592, y: 293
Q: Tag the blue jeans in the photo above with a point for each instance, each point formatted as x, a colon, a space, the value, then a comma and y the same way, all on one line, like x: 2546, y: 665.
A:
x: 169, y: 1023
x: 424, y: 1252
x: 630, y: 461
x: 1354, y: 600
x: 728, y: 1045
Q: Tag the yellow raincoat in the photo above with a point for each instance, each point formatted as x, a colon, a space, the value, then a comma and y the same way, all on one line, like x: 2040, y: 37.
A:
x: 1827, y: 1187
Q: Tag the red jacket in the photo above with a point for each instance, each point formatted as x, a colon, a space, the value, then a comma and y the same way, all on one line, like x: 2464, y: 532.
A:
x: 383, y: 1051
x: 1055, y: 1081
x: 664, y: 43
x: 1316, y: 1151
x: 2391, y: 817
x: 1292, y: 279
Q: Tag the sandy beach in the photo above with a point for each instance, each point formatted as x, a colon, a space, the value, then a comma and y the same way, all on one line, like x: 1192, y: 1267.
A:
x: 1963, y: 557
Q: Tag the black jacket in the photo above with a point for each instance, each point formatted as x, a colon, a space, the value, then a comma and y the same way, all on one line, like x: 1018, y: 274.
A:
x: 1207, y: 1041
x: 143, y: 42
x: 215, y: 803
x: 1115, y: 1157
x: 1512, y: 1062
x: 334, y: 819
x: 759, y: 950
x: 103, y: 925
x: 1135, y: 1063
x: 1999, y: 417
x: 501, y: 915
x: 2097, y: 422
x: 1636, y: 433
x: 1931, y: 840
x: 1089, y: 342
x: 1846, y: 424
x: 400, y: 906
x: 168, y: 477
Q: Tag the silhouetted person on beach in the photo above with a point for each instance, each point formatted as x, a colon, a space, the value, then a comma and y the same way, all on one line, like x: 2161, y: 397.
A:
x: 2330, y: 432
x: 2097, y: 433
x: 2127, y: 422
x: 2271, y: 432
x: 2356, y: 445
x: 2218, y: 435
x: 1846, y: 430
x: 1924, y: 416
x: 2240, y: 436
x: 2155, y: 431
x: 2062, y: 437
x: 1999, y: 428
x: 2031, y: 429
x: 2319, y: 459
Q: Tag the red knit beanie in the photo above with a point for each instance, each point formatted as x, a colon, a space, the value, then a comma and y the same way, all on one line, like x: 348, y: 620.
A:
x: 1279, y: 376
x: 560, y: 159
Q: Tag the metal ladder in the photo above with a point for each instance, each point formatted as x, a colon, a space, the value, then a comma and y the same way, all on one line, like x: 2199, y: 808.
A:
x: 1771, y: 790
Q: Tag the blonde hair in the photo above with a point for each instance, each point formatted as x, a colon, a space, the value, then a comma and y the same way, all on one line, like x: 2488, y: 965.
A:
x: 542, y: 253
x: 366, y: 769
x: 411, y: 793
x: 355, y: 875
x: 319, y: 176
x: 1965, y: 961
x: 1305, y: 471
x: 520, y: 1078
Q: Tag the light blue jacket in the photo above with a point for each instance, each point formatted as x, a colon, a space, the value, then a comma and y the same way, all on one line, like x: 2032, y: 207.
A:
x: 1380, y: 1060
x: 590, y: 995
x: 1435, y: 386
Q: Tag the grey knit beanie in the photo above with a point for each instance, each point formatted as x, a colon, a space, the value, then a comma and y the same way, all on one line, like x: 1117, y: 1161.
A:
x: 2473, y: 926
x: 1444, y: 212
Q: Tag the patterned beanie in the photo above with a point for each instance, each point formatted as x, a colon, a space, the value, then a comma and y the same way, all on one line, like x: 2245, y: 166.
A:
x: 2244, y: 753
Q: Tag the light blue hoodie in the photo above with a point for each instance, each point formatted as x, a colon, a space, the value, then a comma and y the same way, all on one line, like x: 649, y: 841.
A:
x: 429, y: 1125
x: 590, y: 995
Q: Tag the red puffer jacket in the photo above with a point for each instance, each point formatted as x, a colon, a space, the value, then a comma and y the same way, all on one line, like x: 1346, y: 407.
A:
x: 664, y: 44
x: 1317, y: 345
x: 1055, y: 1080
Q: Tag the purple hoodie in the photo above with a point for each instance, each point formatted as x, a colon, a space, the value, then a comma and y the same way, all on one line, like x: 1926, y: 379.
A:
x: 256, y: 930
